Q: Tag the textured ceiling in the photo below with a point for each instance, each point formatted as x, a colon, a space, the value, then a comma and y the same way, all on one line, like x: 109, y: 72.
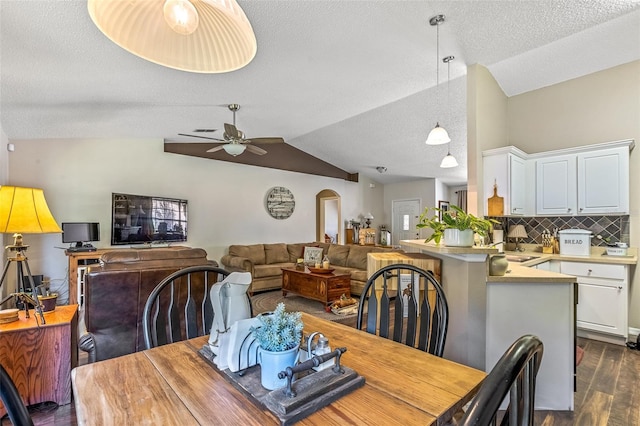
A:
x: 350, y: 82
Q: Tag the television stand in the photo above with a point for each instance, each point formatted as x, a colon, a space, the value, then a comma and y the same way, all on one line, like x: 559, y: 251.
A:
x: 81, y: 249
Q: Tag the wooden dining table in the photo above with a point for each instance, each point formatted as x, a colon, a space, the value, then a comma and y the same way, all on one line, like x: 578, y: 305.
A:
x: 175, y: 385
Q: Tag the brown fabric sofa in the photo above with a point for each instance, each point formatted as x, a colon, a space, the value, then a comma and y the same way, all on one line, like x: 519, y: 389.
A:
x: 265, y: 262
x: 117, y: 290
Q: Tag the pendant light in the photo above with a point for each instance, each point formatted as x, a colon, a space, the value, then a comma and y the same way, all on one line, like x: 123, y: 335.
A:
x: 449, y: 160
x: 202, y: 36
x: 438, y: 135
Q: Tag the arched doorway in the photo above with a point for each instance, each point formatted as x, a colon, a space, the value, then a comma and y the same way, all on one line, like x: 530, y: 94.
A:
x: 328, y: 216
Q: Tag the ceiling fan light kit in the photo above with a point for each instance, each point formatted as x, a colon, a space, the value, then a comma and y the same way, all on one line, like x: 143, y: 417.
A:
x: 234, y: 148
x: 438, y: 135
x: 234, y: 140
x: 203, y: 36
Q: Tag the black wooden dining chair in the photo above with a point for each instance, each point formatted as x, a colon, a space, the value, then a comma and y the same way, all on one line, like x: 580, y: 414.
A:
x: 415, y: 318
x: 515, y: 373
x: 17, y: 411
x: 179, y: 307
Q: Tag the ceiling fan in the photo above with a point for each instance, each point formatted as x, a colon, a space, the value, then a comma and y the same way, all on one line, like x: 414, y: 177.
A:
x: 234, y: 140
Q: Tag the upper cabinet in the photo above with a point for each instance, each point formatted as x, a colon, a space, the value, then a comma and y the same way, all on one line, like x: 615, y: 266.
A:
x: 603, y: 181
x: 590, y: 182
x: 556, y: 185
x: 506, y: 168
x: 592, y: 179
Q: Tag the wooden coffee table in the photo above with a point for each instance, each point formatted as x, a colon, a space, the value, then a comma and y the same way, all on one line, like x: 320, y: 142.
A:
x: 324, y: 288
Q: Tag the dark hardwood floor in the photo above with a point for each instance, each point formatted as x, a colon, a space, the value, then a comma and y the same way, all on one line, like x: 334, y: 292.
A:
x: 608, y: 392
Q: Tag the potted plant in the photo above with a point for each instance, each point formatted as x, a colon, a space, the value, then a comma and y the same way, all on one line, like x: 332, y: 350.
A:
x: 456, y: 226
x: 279, y: 336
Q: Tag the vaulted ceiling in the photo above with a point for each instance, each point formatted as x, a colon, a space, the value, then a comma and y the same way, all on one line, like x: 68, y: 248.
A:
x: 350, y: 82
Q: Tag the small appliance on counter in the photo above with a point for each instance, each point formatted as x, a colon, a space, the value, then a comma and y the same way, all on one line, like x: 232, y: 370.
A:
x: 575, y: 242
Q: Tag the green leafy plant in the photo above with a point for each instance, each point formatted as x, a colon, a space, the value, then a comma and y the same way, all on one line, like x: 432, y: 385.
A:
x: 279, y: 331
x: 454, y: 218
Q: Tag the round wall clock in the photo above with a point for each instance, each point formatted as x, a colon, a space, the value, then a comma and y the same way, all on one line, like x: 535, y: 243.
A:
x: 280, y: 202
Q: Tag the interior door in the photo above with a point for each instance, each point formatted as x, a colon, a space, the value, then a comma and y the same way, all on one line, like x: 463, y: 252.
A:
x: 405, y: 214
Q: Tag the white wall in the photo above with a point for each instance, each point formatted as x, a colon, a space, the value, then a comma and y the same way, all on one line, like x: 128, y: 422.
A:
x: 226, y: 200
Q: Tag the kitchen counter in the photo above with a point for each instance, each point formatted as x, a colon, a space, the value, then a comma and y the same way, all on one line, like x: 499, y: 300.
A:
x: 598, y: 255
x: 522, y: 272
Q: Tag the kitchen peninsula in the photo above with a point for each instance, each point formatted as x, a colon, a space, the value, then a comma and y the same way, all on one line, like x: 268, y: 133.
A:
x: 486, y: 314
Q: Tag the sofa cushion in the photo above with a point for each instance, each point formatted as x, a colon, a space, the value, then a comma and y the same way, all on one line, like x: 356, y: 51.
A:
x: 253, y: 252
x: 276, y: 253
x: 338, y: 254
x: 359, y: 275
x: 357, y: 257
x: 296, y: 251
x: 274, y: 269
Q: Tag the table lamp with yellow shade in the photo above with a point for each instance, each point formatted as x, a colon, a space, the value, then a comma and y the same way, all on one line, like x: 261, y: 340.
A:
x: 23, y: 211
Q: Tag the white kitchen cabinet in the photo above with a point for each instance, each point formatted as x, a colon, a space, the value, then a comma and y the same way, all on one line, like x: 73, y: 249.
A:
x: 549, y: 265
x: 603, y: 299
x: 603, y: 181
x: 594, y: 181
x: 545, y: 309
x: 507, y: 168
x: 556, y: 184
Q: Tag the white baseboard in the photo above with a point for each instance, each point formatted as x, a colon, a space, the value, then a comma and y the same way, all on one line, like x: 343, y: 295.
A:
x: 633, y: 332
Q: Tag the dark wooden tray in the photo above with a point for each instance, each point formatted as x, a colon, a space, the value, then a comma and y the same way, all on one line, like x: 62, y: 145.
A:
x: 314, y: 390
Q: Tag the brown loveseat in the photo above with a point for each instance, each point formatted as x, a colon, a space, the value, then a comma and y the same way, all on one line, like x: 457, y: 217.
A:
x: 265, y: 262
x: 117, y: 290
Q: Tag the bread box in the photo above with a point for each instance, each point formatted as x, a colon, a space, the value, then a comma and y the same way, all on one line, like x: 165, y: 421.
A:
x: 575, y: 242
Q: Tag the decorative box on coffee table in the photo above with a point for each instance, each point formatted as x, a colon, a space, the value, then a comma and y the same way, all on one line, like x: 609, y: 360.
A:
x: 325, y: 287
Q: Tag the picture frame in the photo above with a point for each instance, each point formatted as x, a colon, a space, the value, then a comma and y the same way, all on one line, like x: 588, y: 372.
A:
x: 312, y: 255
x: 444, y: 208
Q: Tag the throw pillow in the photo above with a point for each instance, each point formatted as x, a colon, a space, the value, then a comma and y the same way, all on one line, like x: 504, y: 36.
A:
x: 312, y: 255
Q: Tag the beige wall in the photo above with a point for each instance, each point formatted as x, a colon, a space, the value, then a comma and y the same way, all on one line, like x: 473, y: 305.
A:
x: 600, y: 107
x: 487, y: 128
x: 226, y: 200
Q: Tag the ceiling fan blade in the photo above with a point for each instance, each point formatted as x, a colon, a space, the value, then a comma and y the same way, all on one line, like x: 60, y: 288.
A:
x: 201, y: 137
x: 232, y: 131
x: 216, y: 148
x: 255, y: 150
x: 266, y: 140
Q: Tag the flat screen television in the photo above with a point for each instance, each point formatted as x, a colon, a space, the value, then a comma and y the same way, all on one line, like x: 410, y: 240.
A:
x: 139, y: 219
x: 80, y: 232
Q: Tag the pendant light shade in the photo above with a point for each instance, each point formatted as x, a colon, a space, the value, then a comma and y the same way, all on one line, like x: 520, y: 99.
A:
x: 438, y: 135
x: 449, y: 161
x: 234, y: 148
x: 204, y: 36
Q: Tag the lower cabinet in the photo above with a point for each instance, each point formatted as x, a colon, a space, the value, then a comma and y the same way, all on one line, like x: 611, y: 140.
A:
x: 603, y: 294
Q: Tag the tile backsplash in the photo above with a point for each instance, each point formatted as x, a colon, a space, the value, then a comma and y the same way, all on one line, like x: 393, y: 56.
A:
x: 614, y: 227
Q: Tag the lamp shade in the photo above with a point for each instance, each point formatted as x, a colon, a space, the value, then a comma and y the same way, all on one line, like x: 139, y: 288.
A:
x: 438, y: 136
x: 448, y: 162
x: 517, y: 231
x: 217, y: 38
x: 25, y: 211
x: 234, y: 148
